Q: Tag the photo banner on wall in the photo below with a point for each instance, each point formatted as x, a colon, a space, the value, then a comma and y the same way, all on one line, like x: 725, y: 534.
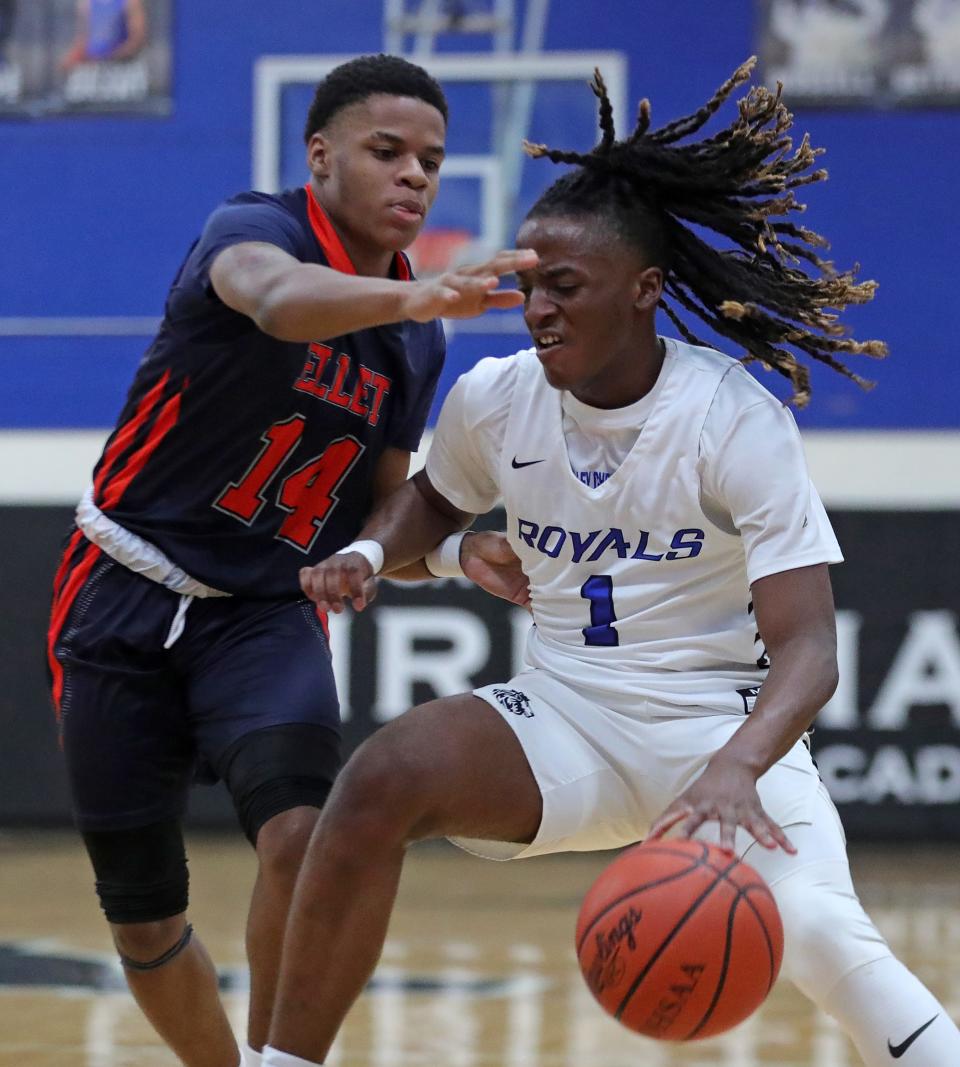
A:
x: 887, y: 746
x: 885, y: 53
x: 85, y: 57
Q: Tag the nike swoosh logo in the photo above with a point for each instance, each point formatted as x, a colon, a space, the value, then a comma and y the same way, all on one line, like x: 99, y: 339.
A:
x: 527, y: 463
x: 896, y: 1051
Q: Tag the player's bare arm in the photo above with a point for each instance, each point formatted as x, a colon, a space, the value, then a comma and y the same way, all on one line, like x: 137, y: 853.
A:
x: 406, y: 525
x: 409, y: 523
x: 486, y: 556
x: 305, y: 302
x: 795, y: 616
x: 393, y: 469
x: 391, y: 473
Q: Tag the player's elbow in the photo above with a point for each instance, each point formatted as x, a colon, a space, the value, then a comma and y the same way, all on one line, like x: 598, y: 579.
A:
x: 829, y: 675
x: 809, y: 660
x: 261, y: 282
x: 820, y: 667
x: 277, y: 315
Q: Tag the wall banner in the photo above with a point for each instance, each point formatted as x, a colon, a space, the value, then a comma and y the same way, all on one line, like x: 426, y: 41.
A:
x: 85, y: 56
x: 889, y: 53
x: 887, y: 745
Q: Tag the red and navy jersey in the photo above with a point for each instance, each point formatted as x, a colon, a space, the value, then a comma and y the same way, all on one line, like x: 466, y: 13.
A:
x: 244, y: 457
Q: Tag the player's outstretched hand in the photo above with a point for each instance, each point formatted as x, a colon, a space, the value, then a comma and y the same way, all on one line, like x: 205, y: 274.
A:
x: 465, y: 292
x: 726, y: 793
x: 343, y: 577
x: 488, y: 560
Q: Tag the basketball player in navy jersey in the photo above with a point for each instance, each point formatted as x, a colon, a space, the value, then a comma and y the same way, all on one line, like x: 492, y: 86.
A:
x: 658, y: 499
x: 282, y: 397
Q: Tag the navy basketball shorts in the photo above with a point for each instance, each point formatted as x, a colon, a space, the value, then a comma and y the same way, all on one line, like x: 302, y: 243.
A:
x: 139, y: 722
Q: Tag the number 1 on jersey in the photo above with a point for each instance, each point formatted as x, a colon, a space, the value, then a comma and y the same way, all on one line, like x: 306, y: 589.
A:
x: 244, y: 499
x: 598, y: 589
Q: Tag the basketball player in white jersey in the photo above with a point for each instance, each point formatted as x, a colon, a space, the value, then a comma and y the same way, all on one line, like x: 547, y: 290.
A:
x: 658, y: 499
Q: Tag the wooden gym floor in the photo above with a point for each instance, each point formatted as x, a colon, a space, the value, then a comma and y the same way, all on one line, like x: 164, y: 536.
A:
x: 478, y: 970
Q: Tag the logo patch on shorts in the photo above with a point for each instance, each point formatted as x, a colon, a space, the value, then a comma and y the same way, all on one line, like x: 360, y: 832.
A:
x: 514, y: 701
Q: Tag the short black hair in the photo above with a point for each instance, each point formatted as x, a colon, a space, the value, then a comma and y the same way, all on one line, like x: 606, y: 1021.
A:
x: 764, y: 288
x: 366, y: 76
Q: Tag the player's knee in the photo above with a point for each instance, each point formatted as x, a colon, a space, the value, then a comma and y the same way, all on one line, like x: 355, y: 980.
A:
x: 827, y: 934
x: 141, y: 874
x: 277, y: 770
x: 142, y: 945
x: 282, y: 843
x: 379, y: 798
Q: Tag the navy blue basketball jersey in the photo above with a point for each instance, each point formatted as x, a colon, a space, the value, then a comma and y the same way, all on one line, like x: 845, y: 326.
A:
x: 244, y: 457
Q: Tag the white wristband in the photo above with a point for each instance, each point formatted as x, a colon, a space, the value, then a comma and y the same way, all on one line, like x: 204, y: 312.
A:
x: 444, y: 560
x: 372, y: 552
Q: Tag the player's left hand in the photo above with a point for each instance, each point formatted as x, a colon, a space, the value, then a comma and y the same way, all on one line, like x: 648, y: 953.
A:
x: 726, y: 793
x: 488, y: 560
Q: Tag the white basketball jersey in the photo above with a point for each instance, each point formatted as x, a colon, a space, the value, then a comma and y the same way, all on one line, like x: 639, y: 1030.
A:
x: 636, y: 594
x: 640, y: 584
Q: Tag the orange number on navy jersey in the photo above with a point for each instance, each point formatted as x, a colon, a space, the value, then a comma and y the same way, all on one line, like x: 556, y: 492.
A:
x: 244, y: 499
x: 308, y: 494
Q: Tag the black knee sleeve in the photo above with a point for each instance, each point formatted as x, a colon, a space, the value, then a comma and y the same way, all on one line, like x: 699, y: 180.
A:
x: 141, y: 874
x: 279, y: 768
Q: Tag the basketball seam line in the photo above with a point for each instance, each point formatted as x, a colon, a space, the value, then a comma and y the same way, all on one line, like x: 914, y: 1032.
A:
x: 673, y: 933
x: 700, y: 862
x: 763, y: 887
x: 741, y: 896
x: 763, y: 926
x: 724, y: 967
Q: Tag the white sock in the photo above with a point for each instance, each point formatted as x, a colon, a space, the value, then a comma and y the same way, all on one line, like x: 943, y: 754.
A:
x: 249, y: 1057
x: 884, y: 1008
x: 273, y: 1057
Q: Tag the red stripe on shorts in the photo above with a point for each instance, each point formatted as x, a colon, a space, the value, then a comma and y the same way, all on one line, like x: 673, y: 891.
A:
x: 60, y: 576
x: 59, y: 615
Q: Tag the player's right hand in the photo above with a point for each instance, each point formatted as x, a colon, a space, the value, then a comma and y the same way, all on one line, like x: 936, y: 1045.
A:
x: 346, y: 576
x: 726, y: 793
x: 468, y: 291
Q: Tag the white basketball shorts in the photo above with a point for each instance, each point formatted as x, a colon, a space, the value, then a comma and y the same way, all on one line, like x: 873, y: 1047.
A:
x: 606, y: 776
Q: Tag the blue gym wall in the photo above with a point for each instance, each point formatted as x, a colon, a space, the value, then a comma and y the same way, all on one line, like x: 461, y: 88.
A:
x: 97, y: 212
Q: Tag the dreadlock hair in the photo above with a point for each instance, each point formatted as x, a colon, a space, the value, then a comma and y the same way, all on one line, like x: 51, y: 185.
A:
x: 766, y: 288
x: 366, y: 76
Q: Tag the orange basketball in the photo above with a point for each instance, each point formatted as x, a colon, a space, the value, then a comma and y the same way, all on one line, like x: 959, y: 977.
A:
x: 679, y: 940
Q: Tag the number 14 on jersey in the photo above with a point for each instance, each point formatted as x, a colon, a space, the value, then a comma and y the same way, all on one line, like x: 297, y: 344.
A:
x: 308, y: 493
